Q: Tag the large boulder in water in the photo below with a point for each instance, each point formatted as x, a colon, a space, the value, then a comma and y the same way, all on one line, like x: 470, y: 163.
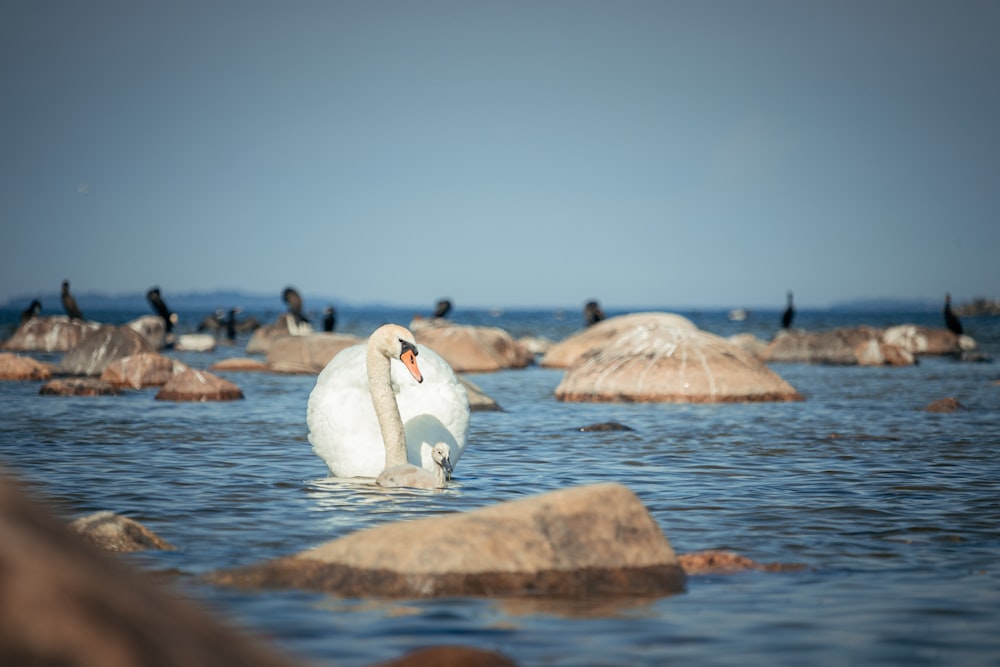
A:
x: 64, y: 602
x: 567, y: 352
x: 147, y: 369
x: 198, y: 386
x: 102, y: 346
x: 591, y: 540
x: 654, y: 360
x: 56, y: 333
x: 307, y: 354
x: 16, y: 367
x: 471, y: 349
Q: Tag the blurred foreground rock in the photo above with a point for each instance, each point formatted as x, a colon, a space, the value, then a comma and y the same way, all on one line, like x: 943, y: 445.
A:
x: 660, y: 357
x: 591, y: 540
x: 63, y: 602
x: 16, y: 367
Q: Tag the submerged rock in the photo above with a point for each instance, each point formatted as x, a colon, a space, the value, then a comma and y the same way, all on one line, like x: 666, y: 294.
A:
x: 78, y: 387
x: 591, y: 540
x: 112, y: 532
x: 726, y: 562
x: 945, y: 405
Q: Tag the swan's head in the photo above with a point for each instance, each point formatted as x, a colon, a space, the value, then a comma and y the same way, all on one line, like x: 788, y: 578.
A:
x: 441, y: 455
x: 393, y: 340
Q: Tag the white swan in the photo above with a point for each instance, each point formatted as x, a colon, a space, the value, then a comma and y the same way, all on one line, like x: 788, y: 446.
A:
x: 367, y: 413
x: 410, y: 476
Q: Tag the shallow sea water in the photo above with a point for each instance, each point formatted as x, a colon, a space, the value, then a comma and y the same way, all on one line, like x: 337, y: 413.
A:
x: 894, y: 511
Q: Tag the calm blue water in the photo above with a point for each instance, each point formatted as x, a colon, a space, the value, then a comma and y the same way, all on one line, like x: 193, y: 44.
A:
x: 895, y: 511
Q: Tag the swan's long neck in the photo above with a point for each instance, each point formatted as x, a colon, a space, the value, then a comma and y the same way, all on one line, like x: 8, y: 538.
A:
x: 386, y: 408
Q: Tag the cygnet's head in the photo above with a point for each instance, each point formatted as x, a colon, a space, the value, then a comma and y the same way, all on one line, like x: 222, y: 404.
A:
x: 441, y: 455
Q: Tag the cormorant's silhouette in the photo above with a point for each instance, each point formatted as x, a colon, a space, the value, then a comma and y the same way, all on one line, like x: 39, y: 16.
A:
x: 31, y: 311
x: 329, y: 318
x: 442, y: 308
x: 294, y: 302
x: 789, y: 314
x: 156, y: 301
x: 231, y: 323
x: 592, y: 313
x: 950, y: 318
x: 69, y: 303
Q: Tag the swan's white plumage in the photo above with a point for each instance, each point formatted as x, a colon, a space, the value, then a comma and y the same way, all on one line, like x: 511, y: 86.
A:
x: 343, y: 427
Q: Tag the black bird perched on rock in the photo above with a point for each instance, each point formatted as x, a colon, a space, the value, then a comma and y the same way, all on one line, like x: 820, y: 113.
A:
x: 950, y: 318
x: 156, y: 301
x: 442, y: 308
x: 789, y: 315
x: 329, y: 318
x: 230, y: 323
x: 69, y: 303
x: 294, y: 303
x: 592, y: 313
x: 31, y: 311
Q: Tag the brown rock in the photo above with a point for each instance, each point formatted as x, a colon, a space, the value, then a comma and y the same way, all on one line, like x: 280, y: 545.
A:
x: 726, y: 562
x: 64, y: 602
x: 112, y: 532
x: 147, y: 369
x: 949, y: 404
x: 194, y: 385
x: 750, y: 343
x: 152, y: 328
x: 263, y: 337
x: 874, y: 352
x: 56, y: 333
x: 591, y: 540
x: 307, y: 354
x: 239, y: 364
x: 450, y: 656
x: 472, y: 349
x: 16, y: 367
x: 658, y: 361
x: 99, y: 348
x: 920, y: 340
x: 77, y: 387
x: 567, y: 352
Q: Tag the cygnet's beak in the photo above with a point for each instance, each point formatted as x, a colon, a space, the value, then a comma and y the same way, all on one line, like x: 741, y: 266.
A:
x: 446, y: 464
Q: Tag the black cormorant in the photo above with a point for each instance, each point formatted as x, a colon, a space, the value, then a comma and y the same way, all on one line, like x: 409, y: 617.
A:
x: 31, y: 311
x: 442, y: 308
x: 789, y: 314
x: 156, y: 301
x: 69, y: 303
x: 951, y: 319
x: 329, y: 318
x: 592, y: 313
x: 294, y: 303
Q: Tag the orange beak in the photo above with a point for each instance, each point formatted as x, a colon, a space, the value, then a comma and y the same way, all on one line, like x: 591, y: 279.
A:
x: 409, y: 359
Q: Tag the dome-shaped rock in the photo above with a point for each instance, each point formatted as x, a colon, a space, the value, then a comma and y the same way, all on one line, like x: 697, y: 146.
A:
x: 194, y: 385
x: 152, y: 328
x: 16, y: 367
x: 263, y: 337
x: 146, y: 369
x: 56, y: 333
x: 565, y: 353
x: 472, y: 349
x: 100, y: 347
x: 657, y: 361
x: 307, y: 354
x: 589, y: 540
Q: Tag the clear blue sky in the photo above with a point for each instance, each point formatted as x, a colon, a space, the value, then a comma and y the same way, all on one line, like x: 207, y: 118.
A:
x: 706, y: 153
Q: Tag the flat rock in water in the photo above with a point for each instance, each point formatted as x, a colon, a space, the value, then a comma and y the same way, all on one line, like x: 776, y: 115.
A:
x: 197, y: 386
x: 16, y: 367
x: 727, y: 562
x: 113, y: 532
x: 471, y: 349
x: 582, y: 541
x: 195, y: 343
x: 239, y: 364
x: 920, y: 340
x: 655, y: 360
x: 307, y: 354
x: 138, y: 371
x: 56, y: 333
x: 99, y: 348
x: 567, y: 352
x: 78, y: 387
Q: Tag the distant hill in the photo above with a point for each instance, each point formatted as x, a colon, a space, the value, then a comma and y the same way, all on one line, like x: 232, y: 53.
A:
x: 888, y: 305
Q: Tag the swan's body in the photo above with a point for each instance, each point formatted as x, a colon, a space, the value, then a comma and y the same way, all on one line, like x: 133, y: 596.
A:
x: 413, y: 477
x: 367, y: 413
